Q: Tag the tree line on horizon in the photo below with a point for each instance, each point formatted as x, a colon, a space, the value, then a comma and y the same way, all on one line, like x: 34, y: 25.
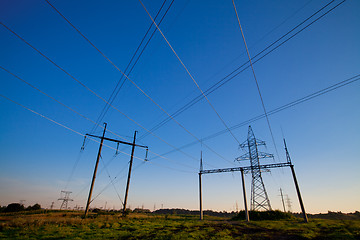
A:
x: 17, y: 207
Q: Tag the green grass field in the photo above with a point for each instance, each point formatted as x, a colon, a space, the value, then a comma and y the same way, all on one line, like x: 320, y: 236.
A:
x: 70, y: 225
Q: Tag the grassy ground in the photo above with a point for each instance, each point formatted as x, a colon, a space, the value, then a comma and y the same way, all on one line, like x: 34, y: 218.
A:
x: 70, y: 225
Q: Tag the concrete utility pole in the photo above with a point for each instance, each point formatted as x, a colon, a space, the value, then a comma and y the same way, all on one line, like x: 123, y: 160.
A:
x: 95, y: 170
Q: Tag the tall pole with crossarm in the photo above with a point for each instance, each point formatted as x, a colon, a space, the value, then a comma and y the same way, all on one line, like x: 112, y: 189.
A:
x: 129, y: 174
x: 95, y: 170
x: 97, y: 163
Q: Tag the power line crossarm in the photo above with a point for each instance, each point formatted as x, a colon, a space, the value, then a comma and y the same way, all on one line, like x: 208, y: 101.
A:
x: 118, y: 141
x: 246, y: 168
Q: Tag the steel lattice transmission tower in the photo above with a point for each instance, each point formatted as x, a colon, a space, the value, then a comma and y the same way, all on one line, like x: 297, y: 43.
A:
x: 65, y: 198
x: 259, y: 197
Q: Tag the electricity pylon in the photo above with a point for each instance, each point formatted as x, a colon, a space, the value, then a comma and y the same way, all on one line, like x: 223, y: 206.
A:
x: 259, y: 197
x: 288, y: 203
x: 65, y: 198
x: 258, y: 188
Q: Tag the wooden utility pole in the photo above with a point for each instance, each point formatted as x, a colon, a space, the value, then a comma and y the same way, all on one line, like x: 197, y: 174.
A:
x: 95, y: 170
x: 99, y: 155
x: 299, y: 194
x: 129, y: 173
x: 296, y: 184
x: 244, y: 193
x: 200, y: 189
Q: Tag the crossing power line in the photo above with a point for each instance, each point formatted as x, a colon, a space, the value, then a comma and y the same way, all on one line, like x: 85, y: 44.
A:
x: 131, y: 63
x: 66, y: 127
x: 76, y: 112
x: 74, y: 131
x: 256, y: 81
x: 190, y: 75
x: 279, y: 109
x: 127, y: 77
x: 97, y: 95
x: 259, y: 56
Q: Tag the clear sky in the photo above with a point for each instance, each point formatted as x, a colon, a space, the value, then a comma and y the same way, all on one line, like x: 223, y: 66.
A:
x: 40, y: 158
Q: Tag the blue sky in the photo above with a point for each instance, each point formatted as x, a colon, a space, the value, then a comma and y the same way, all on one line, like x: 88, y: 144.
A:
x: 38, y: 156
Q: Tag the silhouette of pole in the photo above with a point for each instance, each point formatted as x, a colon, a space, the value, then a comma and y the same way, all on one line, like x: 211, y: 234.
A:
x: 95, y: 170
x: 200, y: 190
x: 296, y: 183
x: 129, y: 174
x: 282, y: 199
x: 244, y: 193
x: 299, y: 194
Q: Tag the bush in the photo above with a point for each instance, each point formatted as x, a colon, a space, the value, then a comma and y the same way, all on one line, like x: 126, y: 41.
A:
x: 263, y: 215
x: 36, y: 206
x: 141, y: 210
x: 14, y: 207
x: 2, y: 208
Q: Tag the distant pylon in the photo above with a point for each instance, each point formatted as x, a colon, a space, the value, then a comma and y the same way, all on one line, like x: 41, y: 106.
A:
x: 65, y: 197
x: 259, y: 197
x: 282, y: 199
x: 288, y: 203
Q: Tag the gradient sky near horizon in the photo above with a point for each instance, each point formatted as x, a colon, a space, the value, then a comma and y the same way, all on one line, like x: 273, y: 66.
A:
x: 40, y: 158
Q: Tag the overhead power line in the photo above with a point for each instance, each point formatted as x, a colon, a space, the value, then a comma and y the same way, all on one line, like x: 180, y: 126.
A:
x: 87, y: 88
x: 120, y: 83
x: 74, y: 131
x: 188, y: 72
x: 256, y: 81
x: 62, y: 125
x: 127, y: 77
x: 54, y: 99
x: 278, y: 109
x: 106, y: 107
x: 76, y: 112
x: 272, y: 47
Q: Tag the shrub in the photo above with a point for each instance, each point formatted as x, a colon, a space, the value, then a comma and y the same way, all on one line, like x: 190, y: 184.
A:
x: 14, y: 207
x: 263, y: 215
x: 141, y: 210
x: 36, y: 206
